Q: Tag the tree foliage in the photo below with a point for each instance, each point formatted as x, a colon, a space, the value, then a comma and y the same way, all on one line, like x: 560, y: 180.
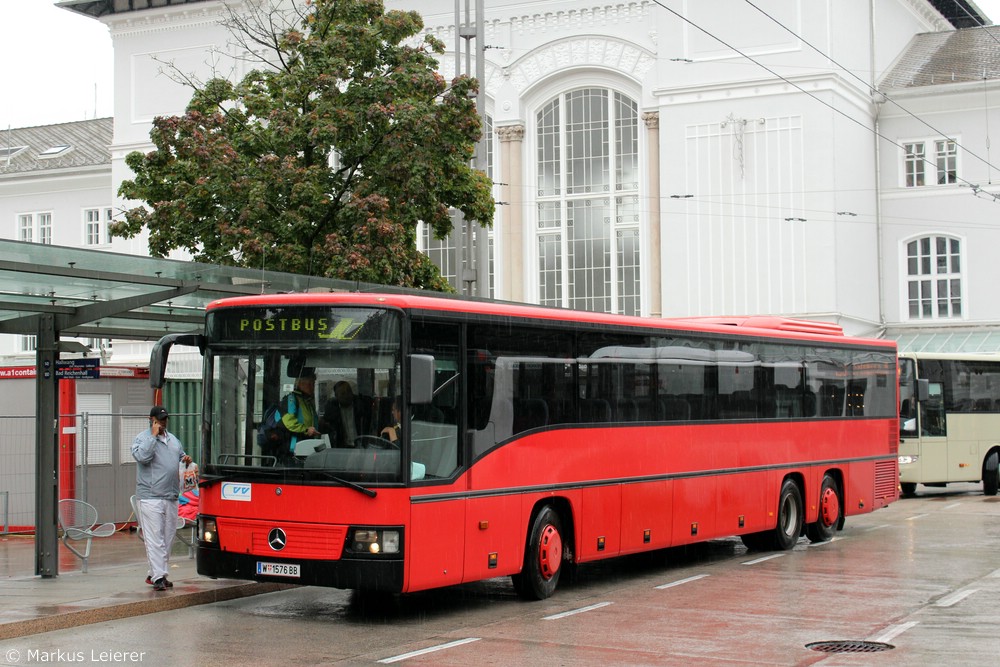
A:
x: 321, y: 162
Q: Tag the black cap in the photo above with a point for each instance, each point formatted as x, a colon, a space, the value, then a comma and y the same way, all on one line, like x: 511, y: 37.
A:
x: 158, y: 412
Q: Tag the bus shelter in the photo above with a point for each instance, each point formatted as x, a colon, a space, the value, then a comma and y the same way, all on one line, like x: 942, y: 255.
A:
x: 52, y: 292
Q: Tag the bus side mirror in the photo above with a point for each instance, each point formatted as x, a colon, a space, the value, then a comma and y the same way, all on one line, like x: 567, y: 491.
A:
x: 923, y: 390
x: 161, y: 350
x: 421, y: 379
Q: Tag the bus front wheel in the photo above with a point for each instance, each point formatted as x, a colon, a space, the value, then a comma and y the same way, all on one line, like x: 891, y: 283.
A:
x: 908, y: 489
x: 783, y: 536
x: 991, y: 474
x: 829, y: 512
x: 789, y: 527
x: 542, y: 557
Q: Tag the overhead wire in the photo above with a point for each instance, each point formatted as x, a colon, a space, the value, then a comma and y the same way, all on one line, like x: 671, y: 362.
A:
x: 974, y: 186
x: 872, y: 90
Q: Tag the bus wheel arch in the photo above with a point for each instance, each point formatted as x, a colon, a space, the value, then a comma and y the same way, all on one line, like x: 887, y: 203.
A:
x: 548, y: 552
x: 991, y: 472
x: 830, y: 517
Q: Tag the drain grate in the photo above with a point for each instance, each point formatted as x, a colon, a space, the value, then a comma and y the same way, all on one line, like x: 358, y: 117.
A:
x: 849, y: 646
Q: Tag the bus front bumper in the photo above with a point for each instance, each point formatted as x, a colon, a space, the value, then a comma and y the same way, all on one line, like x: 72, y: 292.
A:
x: 360, y: 574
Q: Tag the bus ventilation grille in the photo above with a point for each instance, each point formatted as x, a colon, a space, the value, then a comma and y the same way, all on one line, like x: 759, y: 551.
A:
x: 849, y: 646
x: 885, y: 479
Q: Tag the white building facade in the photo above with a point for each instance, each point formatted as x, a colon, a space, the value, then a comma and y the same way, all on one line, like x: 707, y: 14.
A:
x: 684, y: 158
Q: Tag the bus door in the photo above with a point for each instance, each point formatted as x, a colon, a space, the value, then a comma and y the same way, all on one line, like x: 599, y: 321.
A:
x: 436, y: 539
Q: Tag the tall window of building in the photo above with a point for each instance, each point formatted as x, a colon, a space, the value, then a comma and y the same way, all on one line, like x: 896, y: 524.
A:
x: 934, y: 277
x: 35, y: 227
x: 587, y: 227
x: 946, y: 152
x: 26, y: 227
x: 917, y: 162
x: 97, y: 226
x: 28, y: 343
x: 45, y: 228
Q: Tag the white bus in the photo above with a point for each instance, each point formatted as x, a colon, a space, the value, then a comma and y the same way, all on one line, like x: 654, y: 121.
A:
x: 949, y: 420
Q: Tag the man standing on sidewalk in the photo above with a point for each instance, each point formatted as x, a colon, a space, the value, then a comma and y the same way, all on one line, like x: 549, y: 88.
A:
x: 157, y: 486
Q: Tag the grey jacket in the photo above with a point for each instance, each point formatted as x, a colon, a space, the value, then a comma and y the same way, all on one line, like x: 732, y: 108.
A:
x: 157, y: 476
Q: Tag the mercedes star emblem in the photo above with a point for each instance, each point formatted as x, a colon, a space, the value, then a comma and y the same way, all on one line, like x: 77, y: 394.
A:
x: 276, y: 538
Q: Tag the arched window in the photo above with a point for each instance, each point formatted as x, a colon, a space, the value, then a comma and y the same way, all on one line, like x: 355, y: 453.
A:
x: 934, y: 277
x: 587, y: 230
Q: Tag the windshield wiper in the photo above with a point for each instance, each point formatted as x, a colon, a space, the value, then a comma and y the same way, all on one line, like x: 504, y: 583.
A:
x: 207, y: 480
x: 371, y: 493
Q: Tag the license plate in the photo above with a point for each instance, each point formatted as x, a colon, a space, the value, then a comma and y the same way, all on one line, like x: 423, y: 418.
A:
x: 278, y: 569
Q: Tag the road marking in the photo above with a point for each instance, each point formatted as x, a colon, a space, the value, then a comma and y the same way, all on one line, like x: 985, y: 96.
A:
x: 761, y: 560
x: 680, y: 581
x: 955, y: 598
x: 429, y: 649
x: 993, y: 575
x: 952, y: 506
x: 914, y: 518
x: 894, y: 631
x: 879, y: 527
x: 556, y: 617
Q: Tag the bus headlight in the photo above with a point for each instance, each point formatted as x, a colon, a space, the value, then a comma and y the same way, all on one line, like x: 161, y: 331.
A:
x: 907, y: 459
x: 208, y: 533
x: 374, y: 541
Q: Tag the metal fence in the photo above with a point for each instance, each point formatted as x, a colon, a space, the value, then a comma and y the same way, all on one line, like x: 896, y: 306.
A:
x: 95, y: 459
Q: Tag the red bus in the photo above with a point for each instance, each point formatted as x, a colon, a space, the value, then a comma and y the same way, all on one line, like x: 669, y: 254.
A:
x: 530, y: 439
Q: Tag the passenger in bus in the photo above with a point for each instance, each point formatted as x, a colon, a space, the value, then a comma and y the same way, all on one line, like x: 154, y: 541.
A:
x: 347, y: 416
x: 300, y: 417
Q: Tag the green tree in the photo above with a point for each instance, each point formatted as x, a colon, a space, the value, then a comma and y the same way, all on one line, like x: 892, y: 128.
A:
x: 322, y: 161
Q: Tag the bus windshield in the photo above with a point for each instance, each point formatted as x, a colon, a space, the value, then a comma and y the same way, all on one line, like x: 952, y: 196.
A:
x: 305, y: 392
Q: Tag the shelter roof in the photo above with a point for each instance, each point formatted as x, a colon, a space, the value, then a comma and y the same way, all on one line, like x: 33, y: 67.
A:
x: 953, y: 339
x: 96, y: 294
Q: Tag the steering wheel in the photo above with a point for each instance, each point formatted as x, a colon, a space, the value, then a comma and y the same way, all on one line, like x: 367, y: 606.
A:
x: 374, y: 442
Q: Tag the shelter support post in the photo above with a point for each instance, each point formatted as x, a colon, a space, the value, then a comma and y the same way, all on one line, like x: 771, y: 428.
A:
x: 46, y: 449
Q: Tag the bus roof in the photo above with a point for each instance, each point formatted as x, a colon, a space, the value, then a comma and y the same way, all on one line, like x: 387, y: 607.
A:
x: 768, y: 326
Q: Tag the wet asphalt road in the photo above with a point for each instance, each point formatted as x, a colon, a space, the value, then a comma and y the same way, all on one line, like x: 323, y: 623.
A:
x: 919, y: 580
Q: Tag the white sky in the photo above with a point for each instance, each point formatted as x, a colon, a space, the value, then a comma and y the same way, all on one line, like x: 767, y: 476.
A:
x: 57, y: 64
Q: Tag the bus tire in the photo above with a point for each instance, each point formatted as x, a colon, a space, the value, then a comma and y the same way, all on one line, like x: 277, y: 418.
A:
x: 991, y: 474
x: 755, y: 541
x: 908, y: 489
x: 783, y: 536
x: 542, y: 558
x: 790, y: 510
x: 830, y: 512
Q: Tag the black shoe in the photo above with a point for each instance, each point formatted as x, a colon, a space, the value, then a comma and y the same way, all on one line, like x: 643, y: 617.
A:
x: 160, y: 584
x: 149, y: 580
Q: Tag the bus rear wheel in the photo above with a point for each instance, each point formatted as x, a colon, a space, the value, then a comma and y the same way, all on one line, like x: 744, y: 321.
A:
x: 991, y: 474
x: 543, y: 557
x: 829, y: 512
